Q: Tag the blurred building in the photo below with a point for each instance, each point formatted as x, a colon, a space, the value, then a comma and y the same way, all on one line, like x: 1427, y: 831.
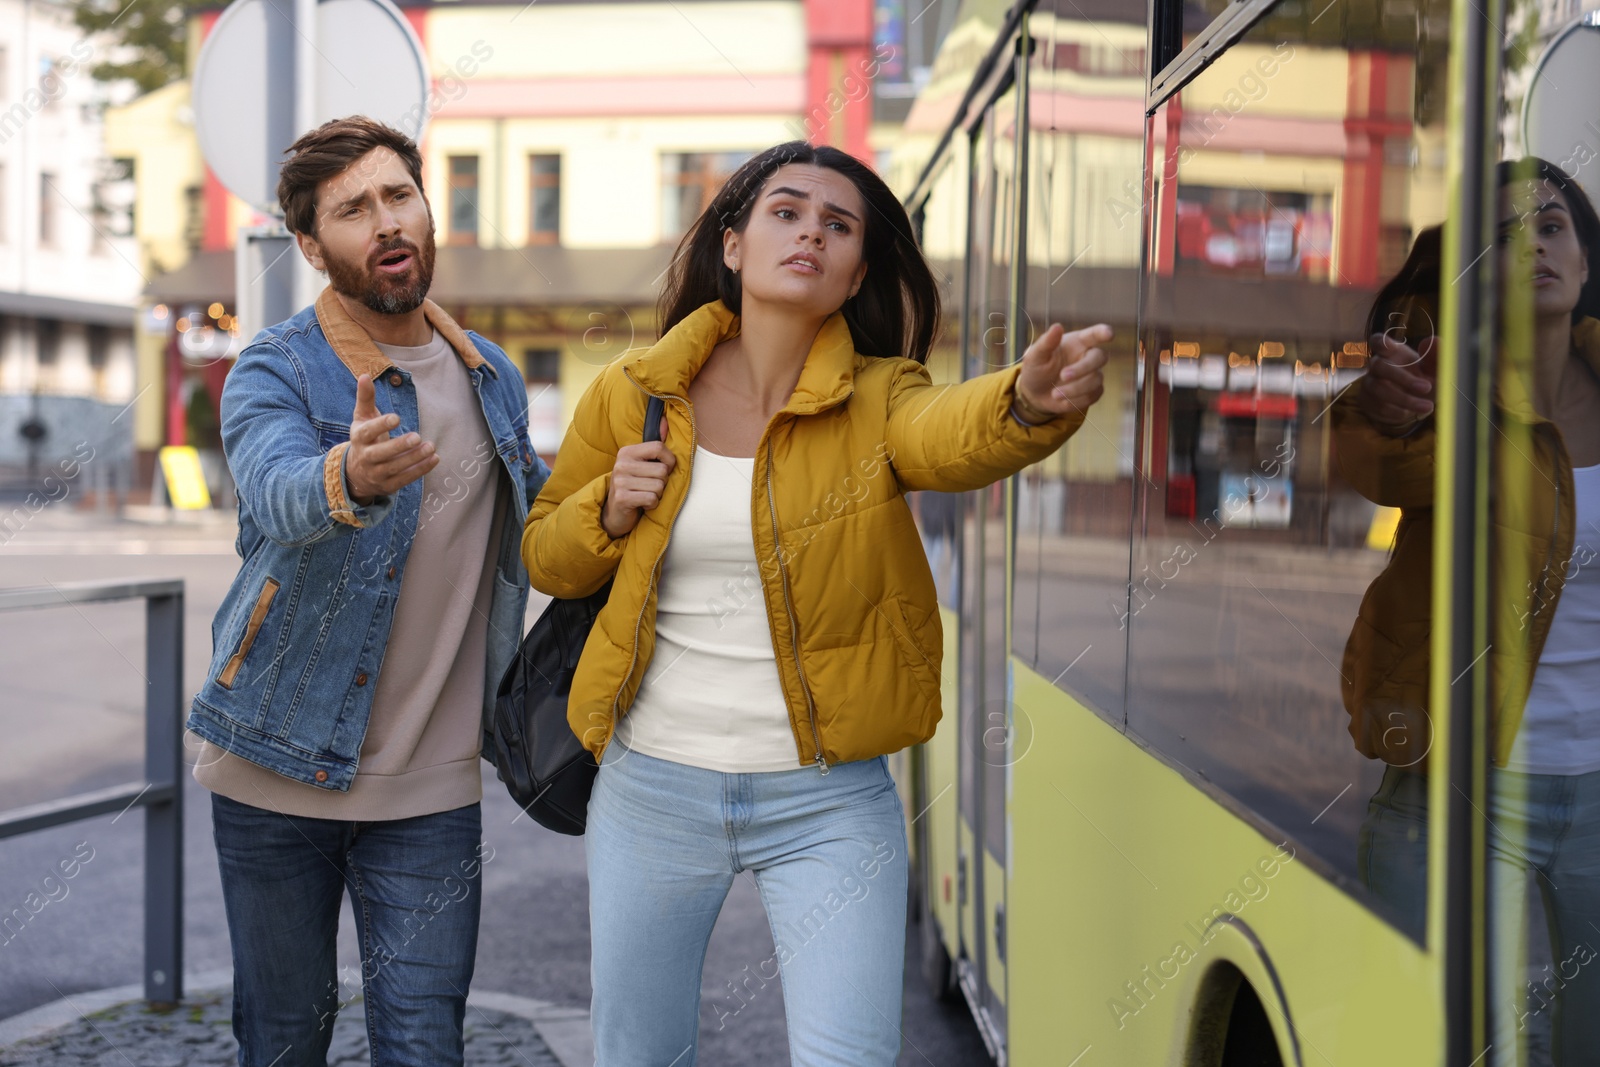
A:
x: 568, y: 147
x: 69, y: 272
x: 1261, y: 180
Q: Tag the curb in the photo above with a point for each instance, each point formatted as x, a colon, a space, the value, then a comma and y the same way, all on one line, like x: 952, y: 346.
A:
x: 39, y: 1021
x: 564, y: 1030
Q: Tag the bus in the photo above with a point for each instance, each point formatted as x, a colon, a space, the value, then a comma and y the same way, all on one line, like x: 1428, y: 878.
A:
x: 1152, y: 828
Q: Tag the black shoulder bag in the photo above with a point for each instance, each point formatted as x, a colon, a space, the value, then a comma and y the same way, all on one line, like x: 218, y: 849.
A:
x: 534, y: 751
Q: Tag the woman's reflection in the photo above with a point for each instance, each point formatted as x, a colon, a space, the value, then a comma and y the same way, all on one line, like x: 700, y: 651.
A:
x: 1545, y: 653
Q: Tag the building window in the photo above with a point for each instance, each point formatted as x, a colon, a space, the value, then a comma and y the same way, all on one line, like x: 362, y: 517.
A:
x: 541, y: 367
x: 48, y: 195
x: 689, y: 181
x: 463, y: 200
x: 48, y: 332
x: 99, y: 347
x: 541, y: 364
x: 51, y: 85
x: 544, y: 199
x: 194, y: 217
x: 99, y: 338
x: 116, y: 197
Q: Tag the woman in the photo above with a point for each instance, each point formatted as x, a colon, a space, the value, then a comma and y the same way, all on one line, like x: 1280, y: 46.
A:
x: 1544, y: 653
x: 772, y: 633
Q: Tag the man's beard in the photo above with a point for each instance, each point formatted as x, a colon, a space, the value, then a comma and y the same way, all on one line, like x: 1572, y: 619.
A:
x: 386, y: 294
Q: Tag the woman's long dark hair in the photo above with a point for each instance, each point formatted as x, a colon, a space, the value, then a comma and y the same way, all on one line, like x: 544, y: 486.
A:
x: 1412, y: 291
x: 1418, y: 284
x: 1584, y: 219
x: 895, y: 312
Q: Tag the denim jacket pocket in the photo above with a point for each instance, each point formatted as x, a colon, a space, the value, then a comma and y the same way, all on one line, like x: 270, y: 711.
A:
x: 230, y: 670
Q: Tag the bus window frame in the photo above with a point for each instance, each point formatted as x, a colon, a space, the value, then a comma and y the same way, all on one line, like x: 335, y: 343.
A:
x: 1218, y: 36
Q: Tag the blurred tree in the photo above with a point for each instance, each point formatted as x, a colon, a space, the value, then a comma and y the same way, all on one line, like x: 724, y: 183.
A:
x: 148, y: 38
x: 201, y: 423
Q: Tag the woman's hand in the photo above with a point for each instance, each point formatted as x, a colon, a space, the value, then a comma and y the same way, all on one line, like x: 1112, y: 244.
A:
x: 1061, y: 372
x: 637, y: 479
x: 1394, y: 394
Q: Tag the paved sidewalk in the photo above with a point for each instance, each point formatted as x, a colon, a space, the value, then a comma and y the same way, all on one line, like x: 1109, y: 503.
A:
x: 72, y: 715
x: 501, y: 1031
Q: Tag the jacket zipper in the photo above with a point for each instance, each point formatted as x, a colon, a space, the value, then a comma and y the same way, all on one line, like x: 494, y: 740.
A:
x: 655, y: 568
x: 794, y: 627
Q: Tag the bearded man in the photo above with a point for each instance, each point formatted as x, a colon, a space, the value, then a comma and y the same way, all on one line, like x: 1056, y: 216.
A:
x: 384, y: 472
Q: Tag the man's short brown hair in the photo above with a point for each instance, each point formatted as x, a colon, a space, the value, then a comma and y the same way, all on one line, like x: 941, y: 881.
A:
x: 328, y: 151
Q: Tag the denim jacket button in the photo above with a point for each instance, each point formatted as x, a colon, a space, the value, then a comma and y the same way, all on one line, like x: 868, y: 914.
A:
x: 361, y: 679
x: 322, y: 776
x: 396, y: 380
x: 391, y: 572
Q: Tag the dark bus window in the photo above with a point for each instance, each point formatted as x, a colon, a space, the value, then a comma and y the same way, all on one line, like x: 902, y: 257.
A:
x: 1085, y: 169
x: 943, y: 237
x: 1290, y: 181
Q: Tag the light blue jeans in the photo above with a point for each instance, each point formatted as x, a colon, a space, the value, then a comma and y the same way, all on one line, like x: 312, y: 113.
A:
x: 1547, y: 825
x: 828, y: 852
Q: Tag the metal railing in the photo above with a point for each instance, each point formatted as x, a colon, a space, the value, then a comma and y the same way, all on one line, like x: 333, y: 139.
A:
x: 161, y: 791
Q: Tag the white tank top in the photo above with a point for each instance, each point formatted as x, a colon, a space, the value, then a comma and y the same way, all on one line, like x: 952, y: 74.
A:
x: 1560, y: 732
x: 711, y: 696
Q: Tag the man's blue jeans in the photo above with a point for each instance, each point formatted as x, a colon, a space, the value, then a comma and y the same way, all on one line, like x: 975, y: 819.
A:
x: 414, y: 887
x: 828, y: 854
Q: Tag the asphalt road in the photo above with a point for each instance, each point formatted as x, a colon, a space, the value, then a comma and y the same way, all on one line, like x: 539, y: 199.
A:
x: 71, y: 714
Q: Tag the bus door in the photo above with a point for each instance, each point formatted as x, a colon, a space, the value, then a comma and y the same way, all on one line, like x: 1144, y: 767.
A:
x: 984, y: 708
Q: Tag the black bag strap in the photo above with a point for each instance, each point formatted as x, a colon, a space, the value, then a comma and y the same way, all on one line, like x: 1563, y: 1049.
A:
x: 652, y: 418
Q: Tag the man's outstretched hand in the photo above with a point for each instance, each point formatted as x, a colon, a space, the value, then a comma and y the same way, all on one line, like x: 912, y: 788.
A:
x: 378, y: 464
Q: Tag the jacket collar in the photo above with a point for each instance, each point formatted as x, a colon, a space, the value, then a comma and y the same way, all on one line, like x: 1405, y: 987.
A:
x: 361, y: 355
x: 668, y: 366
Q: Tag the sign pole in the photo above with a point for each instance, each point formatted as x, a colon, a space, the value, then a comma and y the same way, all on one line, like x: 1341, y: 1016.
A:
x: 306, y: 283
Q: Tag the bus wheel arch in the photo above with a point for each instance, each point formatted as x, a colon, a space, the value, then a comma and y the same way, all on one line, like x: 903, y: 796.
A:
x: 1238, y: 1016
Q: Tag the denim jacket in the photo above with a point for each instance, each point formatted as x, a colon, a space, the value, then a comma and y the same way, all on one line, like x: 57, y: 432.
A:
x: 300, y: 637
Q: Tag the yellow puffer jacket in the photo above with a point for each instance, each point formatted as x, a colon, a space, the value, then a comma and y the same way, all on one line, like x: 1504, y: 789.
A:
x: 1385, y: 670
x: 849, y: 596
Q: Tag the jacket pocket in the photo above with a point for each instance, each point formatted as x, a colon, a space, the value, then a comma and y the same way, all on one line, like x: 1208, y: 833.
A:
x: 916, y: 660
x: 230, y: 670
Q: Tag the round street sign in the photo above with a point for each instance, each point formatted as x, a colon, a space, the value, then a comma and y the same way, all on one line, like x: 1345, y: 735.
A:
x: 368, y: 62
x: 1561, y: 113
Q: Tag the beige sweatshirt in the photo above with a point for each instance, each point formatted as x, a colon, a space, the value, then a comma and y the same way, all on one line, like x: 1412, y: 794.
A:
x: 421, y: 750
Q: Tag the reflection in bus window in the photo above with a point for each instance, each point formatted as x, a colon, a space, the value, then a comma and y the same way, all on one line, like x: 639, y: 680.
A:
x: 1543, y: 803
x: 1544, y: 650
x: 1279, y: 206
x: 1085, y: 172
